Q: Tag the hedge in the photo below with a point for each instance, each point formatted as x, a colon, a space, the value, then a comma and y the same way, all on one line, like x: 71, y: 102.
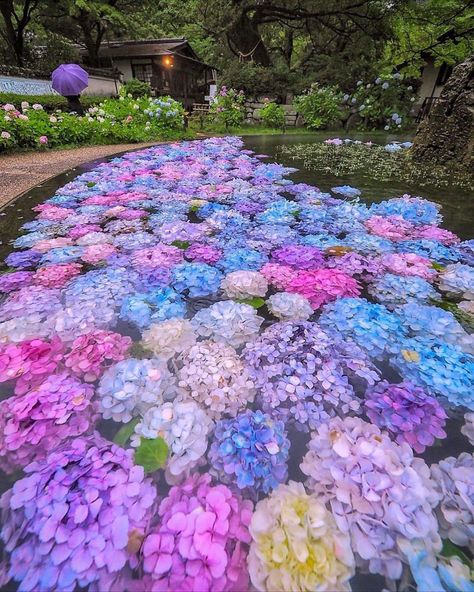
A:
x: 50, y: 103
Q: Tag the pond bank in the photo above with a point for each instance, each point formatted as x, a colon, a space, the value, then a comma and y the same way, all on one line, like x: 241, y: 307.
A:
x: 21, y: 172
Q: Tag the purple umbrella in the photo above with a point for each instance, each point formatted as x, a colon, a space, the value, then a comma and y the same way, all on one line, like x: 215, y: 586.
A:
x: 69, y: 79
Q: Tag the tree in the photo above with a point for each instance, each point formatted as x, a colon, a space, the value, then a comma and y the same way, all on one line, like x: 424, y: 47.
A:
x: 17, y: 17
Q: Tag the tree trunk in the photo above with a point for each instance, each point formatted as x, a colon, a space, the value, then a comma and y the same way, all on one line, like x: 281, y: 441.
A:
x: 446, y: 136
x: 13, y: 37
x: 246, y: 42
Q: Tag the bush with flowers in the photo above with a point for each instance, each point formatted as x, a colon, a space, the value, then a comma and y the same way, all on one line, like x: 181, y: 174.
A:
x: 112, y: 121
x: 272, y: 114
x: 228, y: 107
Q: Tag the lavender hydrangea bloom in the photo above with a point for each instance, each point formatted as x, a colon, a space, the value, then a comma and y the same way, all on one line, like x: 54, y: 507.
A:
x: 378, y: 492
x: 454, y: 480
x: 294, y: 363
x: 15, y: 280
x: 406, y: 411
x: 251, y: 448
x: 299, y: 257
x: 23, y: 259
x: 77, y: 518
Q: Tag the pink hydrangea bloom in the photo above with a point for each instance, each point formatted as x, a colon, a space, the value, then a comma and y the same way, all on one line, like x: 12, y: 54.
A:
x: 34, y: 423
x: 45, y: 245
x: 408, y: 264
x: 83, y: 229
x: 438, y: 234
x: 29, y: 362
x: 56, y: 276
x: 201, y: 540
x: 131, y: 214
x: 391, y: 227
x: 97, y: 253
x: 323, y: 285
x: 52, y: 212
x: 203, y: 253
x: 93, y: 352
x: 279, y: 276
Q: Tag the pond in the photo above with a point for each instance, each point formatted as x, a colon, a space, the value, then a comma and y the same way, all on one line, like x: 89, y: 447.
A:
x: 286, y: 372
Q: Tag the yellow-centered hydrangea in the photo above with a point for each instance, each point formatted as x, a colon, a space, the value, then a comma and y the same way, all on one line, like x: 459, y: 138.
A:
x: 296, y: 545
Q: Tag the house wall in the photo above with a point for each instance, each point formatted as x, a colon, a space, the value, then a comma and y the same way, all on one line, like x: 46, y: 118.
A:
x: 102, y: 86
x: 124, y: 65
x: 428, y: 82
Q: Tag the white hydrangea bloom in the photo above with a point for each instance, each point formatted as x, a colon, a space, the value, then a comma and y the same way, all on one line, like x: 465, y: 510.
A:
x: 289, y: 307
x: 167, y: 338
x: 244, y: 284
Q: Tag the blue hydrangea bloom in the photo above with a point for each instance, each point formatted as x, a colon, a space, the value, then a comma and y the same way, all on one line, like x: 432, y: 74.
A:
x: 151, y: 307
x: 242, y: 259
x: 198, y: 279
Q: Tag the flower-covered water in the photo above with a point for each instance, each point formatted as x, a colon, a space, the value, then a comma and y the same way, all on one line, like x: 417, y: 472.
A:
x: 217, y: 379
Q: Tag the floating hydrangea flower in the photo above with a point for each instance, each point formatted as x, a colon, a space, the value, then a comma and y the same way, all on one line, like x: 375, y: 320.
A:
x: 184, y: 427
x: 429, y: 248
x: 9, y: 282
x: 56, y: 276
x: 157, y: 256
x: 323, y: 285
x: 296, y: 544
x: 77, y: 518
x: 362, y: 267
x: 181, y: 231
x: 306, y: 374
x: 393, y: 290
x: 289, y: 307
x: 78, y: 319
x: 392, y: 227
x: 346, y: 191
x: 97, y: 253
x: 201, y: 539
x: 228, y: 321
x: 378, y: 492
x: 197, y: 279
x: 39, y: 420
x: 299, y: 257
x: 458, y: 280
x: 277, y: 275
x: 454, y: 481
x: 252, y: 449
x: 131, y: 387
x: 431, y: 322
x: 29, y: 362
x: 441, y: 235
x: 244, y: 284
x: 413, y: 209
x: 23, y: 259
x: 214, y: 376
x: 468, y: 427
x: 92, y: 353
x: 169, y: 337
x: 241, y: 258
x: 154, y: 306
x: 406, y: 411
x: 408, y: 264
x: 203, y: 253
x: 443, y: 369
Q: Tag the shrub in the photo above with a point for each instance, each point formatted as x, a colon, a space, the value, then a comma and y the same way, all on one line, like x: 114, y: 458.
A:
x: 136, y: 88
x: 228, y: 107
x: 320, y: 106
x: 272, y: 115
x: 50, y: 103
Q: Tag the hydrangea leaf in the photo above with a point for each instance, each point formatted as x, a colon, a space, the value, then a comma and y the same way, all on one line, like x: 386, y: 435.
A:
x: 256, y: 302
x: 151, y: 454
x: 451, y: 550
x: 181, y: 244
x: 124, y: 433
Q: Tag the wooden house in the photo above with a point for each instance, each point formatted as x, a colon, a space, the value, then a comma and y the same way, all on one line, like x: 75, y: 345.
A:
x: 170, y: 66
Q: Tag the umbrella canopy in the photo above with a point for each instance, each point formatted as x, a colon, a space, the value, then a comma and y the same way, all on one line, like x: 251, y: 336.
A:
x: 69, y: 79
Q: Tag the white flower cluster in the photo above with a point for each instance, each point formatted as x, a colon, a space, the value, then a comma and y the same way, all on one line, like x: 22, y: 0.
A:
x: 167, y: 338
x: 213, y: 375
x: 468, y: 427
x: 185, y: 428
x: 457, y: 280
x: 228, y: 322
x: 289, y: 307
x: 244, y: 284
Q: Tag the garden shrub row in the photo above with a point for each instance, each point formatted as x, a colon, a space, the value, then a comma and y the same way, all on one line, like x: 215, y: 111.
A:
x: 50, y: 103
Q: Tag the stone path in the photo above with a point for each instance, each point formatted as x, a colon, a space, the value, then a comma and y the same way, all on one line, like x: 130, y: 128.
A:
x: 22, y: 171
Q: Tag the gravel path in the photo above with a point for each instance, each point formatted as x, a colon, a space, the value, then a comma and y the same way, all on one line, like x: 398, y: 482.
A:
x: 22, y: 171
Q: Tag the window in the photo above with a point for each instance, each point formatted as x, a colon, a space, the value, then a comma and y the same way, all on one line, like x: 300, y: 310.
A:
x: 142, y: 72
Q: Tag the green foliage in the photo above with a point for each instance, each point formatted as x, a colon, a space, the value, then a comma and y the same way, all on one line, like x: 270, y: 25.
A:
x: 110, y: 122
x: 136, y: 88
x: 255, y: 302
x: 50, y: 103
x: 125, y: 432
x: 228, y: 107
x: 272, y: 115
x: 151, y: 454
x: 320, y: 106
